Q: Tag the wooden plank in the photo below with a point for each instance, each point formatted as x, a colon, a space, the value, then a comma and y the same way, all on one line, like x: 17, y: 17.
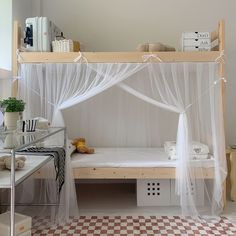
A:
x: 232, y: 175
x: 214, y: 35
x: 135, y: 173
x: 117, y: 57
x: 15, y: 47
x: 221, y: 35
x: 221, y: 28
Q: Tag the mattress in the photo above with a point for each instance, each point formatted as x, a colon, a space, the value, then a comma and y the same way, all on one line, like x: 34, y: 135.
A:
x: 130, y: 157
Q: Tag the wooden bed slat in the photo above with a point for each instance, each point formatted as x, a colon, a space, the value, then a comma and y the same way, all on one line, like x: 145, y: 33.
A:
x: 15, y: 47
x: 135, y: 173
x: 116, y: 57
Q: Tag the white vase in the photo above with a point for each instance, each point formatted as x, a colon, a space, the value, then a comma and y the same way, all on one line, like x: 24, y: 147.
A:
x: 10, y: 120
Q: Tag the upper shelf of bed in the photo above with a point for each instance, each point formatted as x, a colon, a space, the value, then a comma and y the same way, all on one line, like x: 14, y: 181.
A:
x: 217, y: 37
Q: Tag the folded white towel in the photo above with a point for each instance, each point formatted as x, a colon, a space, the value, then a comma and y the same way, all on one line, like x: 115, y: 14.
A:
x: 192, y: 156
x: 197, y: 150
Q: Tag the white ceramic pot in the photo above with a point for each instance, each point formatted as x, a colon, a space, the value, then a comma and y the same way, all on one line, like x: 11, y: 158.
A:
x: 10, y: 120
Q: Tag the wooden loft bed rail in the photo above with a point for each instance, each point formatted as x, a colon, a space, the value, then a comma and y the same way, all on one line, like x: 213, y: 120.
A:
x: 116, y: 57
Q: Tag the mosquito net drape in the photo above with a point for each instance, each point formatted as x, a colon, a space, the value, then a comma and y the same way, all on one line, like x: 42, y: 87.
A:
x: 189, y: 92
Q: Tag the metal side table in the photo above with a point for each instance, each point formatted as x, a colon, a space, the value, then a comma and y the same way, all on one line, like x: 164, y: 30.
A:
x: 10, y: 143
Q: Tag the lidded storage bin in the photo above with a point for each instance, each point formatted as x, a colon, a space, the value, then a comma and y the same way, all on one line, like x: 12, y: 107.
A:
x: 196, y: 41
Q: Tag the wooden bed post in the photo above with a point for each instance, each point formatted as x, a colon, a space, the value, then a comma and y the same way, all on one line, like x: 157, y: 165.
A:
x: 222, y: 75
x: 15, y: 46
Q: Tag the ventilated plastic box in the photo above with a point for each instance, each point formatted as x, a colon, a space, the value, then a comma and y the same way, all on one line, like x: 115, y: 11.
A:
x: 23, y: 224
x: 153, y: 192
x: 197, y: 191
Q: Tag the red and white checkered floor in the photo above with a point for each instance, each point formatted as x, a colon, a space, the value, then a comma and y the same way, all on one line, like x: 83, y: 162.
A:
x: 135, y: 226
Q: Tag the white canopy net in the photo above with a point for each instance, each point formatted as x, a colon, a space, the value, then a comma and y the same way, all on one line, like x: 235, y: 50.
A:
x: 138, y: 105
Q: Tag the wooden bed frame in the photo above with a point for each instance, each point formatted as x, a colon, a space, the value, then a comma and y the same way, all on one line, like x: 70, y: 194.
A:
x: 217, y: 37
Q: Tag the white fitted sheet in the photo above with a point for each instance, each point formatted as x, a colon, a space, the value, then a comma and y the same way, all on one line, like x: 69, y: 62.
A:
x: 130, y: 157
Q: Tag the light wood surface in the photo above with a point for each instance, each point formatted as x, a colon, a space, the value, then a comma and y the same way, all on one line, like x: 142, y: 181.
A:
x: 221, y: 28
x: 231, y: 178
x: 233, y: 175
x: 135, y: 173
x: 15, y: 47
x: 117, y: 57
x: 214, y: 35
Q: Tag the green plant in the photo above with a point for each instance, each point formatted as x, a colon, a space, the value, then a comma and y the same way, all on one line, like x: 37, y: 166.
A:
x: 12, y: 105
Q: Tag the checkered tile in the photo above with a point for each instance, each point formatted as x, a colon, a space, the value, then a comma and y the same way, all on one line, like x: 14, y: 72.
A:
x: 134, y: 226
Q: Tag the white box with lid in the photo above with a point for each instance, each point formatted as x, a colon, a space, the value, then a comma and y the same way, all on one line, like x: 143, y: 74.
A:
x: 23, y: 224
x: 196, y: 42
x: 195, y: 35
x: 196, y: 48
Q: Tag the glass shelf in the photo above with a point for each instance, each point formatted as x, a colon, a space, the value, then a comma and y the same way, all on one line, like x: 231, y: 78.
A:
x: 14, y: 140
x: 32, y: 164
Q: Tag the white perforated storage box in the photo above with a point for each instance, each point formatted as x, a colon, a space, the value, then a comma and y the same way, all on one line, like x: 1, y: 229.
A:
x: 22, y: 224
x: 153, y: 192
x: 197, y: 191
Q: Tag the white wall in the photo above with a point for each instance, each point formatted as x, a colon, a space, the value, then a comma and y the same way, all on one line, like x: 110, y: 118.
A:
x: 6, y: 34
x: 11, y: 10
x: 22, y: 9
x: 119, y: 25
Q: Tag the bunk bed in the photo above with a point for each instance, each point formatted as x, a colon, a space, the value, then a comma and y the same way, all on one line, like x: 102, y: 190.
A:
x: 83, y: 169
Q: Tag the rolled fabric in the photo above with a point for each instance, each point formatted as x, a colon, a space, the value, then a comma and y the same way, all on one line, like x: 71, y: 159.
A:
x: 143, y: 47
x: 154, y: 47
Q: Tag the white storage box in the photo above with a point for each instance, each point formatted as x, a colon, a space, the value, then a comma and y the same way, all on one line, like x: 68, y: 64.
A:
x: 196, y: 48
x: 197, y: 191
x: 23, y: 224
x: 153, y: 192
x: 193, y: 35
x: 28, y: 233
x: 196, y: 42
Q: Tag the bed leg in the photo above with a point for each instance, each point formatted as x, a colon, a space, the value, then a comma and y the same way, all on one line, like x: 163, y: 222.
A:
x: 224, y: 198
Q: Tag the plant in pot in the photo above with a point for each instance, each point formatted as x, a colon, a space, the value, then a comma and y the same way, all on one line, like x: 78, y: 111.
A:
x: 12, y: 110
